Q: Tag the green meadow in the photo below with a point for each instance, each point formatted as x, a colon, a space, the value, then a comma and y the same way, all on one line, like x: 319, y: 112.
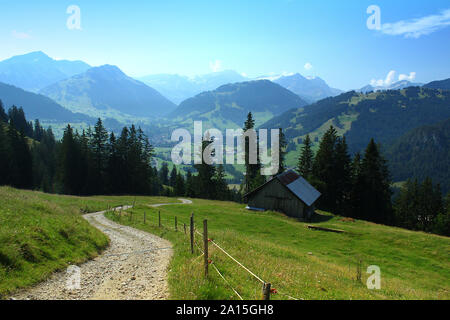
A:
x: 41, y: 233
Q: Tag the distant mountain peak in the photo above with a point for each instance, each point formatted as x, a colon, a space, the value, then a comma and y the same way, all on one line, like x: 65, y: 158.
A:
x: 309, y: 88
x: 105, y: 89
x: 36, y: 70
x: 107, y: 70
x: 402, y: 84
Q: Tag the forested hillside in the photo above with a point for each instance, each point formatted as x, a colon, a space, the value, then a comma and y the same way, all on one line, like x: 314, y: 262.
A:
x: 383, y: 116
x: 37, y: 106
x: 422, y: 152
x: 228, y: 106
x: 441, y: 84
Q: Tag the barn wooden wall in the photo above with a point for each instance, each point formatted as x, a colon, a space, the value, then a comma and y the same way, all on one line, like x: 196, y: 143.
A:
x: 274, y: 196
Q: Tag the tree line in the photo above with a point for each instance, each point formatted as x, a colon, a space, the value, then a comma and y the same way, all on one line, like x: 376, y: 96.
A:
x: 93, y: 162
x: 360, y: 187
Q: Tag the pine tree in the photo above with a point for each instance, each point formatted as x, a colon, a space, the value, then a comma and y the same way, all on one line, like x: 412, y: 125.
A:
x: 164, y: 174
x: 44, y: 161
x: 179, y: 187
x: 376, y: 192
x: 324, y: 170
x: 253, y: 177
x: 442, y: 223
x: 306, y: 159
x: 204, y: 184
x: 222, y: 191
x: 3, y: 115
x: 190, y: 185
x: 68, y: 171
x: 343, y: 176
x: 113, y: 166
x: 17, y: 119
x: 38, y: 131
x: 99, y: 154
x: 173, y: 177
x: 355, y: 197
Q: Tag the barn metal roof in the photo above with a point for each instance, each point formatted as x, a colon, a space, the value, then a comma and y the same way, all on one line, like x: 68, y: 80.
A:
x: 306, y: 192
x: 297, y: 185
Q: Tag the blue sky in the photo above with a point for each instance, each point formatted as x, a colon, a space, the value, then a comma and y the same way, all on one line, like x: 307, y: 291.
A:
x: 330, y: 38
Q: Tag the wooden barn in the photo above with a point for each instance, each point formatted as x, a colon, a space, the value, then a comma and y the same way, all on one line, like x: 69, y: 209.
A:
x: 288, y: 193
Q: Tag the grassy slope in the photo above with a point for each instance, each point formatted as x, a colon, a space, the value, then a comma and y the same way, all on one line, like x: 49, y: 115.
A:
x: 297, y: 261
x: 42, y: 233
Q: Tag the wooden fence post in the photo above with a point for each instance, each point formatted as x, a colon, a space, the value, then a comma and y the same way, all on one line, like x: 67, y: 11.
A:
x: 266, y: 291
x: 205, y: 246
x: 358, y: 270
x: 176, y: 224
x: 159, y: 218
x: 192, y: 233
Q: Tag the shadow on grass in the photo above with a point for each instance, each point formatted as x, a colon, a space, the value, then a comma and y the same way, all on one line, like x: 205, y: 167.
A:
x: 318, y: 218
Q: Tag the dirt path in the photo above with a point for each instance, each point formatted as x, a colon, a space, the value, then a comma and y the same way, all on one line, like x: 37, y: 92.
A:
x: 183, y: 201
x: 134, y: 267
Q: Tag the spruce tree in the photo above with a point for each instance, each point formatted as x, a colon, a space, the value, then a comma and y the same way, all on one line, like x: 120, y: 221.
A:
x: 376, y: 197
x: 173, y: 177
x: 342, y: 176
x: 306, y: 159
x: 164, y: 174
x: 99, y: 154
x: 253, y: 177
x: 222, y: 191
x: 204, y: 181
x: 190, y: 185
x: 179, y: 187
x: 3, y: 115
x: 324, y: 170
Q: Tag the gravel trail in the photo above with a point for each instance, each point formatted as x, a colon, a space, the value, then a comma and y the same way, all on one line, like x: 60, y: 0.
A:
x: 133, y: 267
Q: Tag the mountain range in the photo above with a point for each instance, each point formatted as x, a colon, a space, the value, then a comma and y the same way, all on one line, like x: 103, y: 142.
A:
x: 179, y: 88
x: 108, y: 92
x: 36, y: 70
x: 37, y: 106
x: 228, y: 105
x: 393, y: 86
x: 441, y: 84
x: 310, y: 89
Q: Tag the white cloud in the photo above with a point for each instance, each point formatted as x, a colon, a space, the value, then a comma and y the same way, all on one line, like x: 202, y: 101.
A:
x: 415, y: 28
x: 215, y: 66
x: 391, y: 78
x: 308, y: 66
x: 410, y: 77
x: 20, y: 35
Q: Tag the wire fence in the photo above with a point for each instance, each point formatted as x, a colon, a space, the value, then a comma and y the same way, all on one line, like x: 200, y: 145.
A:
x: 190, y: 231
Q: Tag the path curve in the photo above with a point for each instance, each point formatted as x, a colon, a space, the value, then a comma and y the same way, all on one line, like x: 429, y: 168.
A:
x: 133, y: 267
x: 183, y: 201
